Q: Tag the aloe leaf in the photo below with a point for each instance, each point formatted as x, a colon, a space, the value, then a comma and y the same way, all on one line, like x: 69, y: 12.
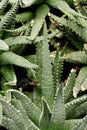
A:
x: 3, y: 85
x: 9, y: 123
x: 71, y: 25
x: 80, y: 111
x: 76, y: 57
x: 9, y: 75
x: 12, y: 58
x: 3, y: 46
x: 69, y: 124
x: 68, y: 89
x: 58, y: 112
x: 65, y: 8
x: 81, y: 125
x: 13, y: 2
x: 27, y: 3
x: 7, y: 19
x: 19, y: 40
x: 80, y: 83
x: 32, y: 110
x: 41, y: 13
x: 13, y: 113
x: 72, y: 105
x: 3, y: 5
x: 45, y: 115
x: 46, y: 78
x: 25, y: 16
x: 28, y: 123
x: 0, y: 113
x: 57, y: 69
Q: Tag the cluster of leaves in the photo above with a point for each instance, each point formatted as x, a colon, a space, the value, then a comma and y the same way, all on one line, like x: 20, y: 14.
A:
x: 62, y: 26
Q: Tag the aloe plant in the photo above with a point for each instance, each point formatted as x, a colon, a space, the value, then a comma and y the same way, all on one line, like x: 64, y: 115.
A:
x: 19, y: 112
x: 57, y: 104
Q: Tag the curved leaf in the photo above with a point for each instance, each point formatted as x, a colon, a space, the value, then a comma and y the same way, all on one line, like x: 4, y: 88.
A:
x: 12, y: 58
x: 3, y: 45
x: 41, y: 13
x: 32, y: 110
x: 70, y: 106
x: 13, y: 113
x: 81, y: 81
x: 28, y: 123
x: 9, y: 75
x: 45, y: 115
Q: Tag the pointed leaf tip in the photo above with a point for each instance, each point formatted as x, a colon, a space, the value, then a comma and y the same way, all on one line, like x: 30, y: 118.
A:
x: 3, y: 46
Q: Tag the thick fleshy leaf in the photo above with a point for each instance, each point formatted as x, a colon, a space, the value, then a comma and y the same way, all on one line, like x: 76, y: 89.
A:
x: 12, y: 58
x: 9, y: 75
x: 28, y: 123
x: 45, y: 115
x: 41, y: 13
x: 27, y: 3
x: 46, y: 76
x: 80, y: 83
x: 32, y: 110
x: 81, y: 125
x: 0, y: 113
x: 13, y: 113
x: 69, y: 124
x: 58, y: 112
x: 68, y: 89
x: 72, y: 105
x: 3, y: 46
x: 9, y: 123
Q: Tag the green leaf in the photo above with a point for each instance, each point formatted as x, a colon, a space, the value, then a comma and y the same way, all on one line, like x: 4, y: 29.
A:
x: 9, y: 75
x: 57, y: 69
x: 13, y: 113
x: 65, y: 8
x: 68, y: 89
x: 72, y: 26
x: 3, y: 5
x: 46, y: 78
x: 28, y: 123
x: 3, y: 46
x: 69, y: 124
x: 13, y: 2
x: 32, y: 110
x: 80, y: 111
x: 27, y: 3
x: 58, y: 112
x: 81, y: 125
x: 24, y: 16
x: 9, y: 123
x: 0, y: 113
x: 80, y: 82
x: 45, y: 115
x: 12, y: 58
x: 19, y: 40
x: 76, y: 57
x: 8, y: 18
x: 41, y: 13
x: 72, y: 105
